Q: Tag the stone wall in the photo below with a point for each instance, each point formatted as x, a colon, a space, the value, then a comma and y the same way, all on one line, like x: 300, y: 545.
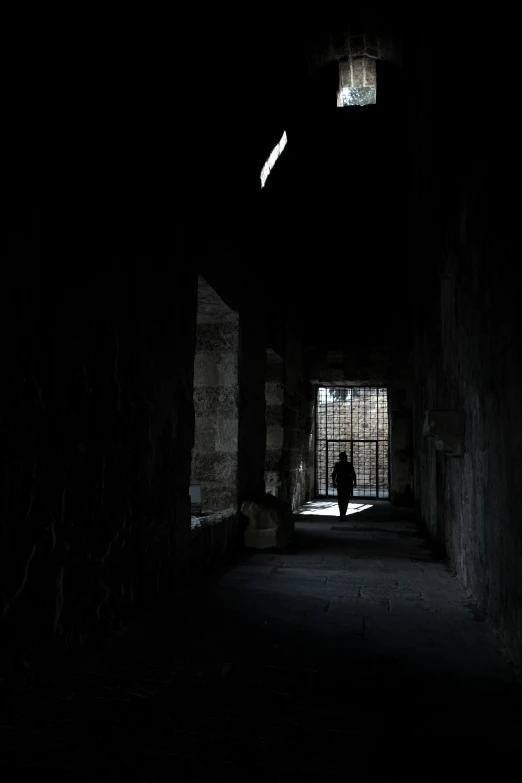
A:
x: 468, y: 347
x: 298, y: 424
x: 229, y: 276
x: 97, y: 424
x: 274, y: 396
x: 216, y: 401
x: 389, y: 366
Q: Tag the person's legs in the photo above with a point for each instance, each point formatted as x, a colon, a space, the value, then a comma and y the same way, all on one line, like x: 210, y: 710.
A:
x: 342, y: 500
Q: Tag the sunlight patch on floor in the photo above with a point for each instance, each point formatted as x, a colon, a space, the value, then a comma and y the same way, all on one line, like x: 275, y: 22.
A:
x: 329, y: 509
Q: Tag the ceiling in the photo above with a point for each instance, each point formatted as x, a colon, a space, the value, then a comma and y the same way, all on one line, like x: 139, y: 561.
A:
x: 327, y: 239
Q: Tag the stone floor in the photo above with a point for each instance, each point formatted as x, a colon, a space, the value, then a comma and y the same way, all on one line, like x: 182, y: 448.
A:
x: 354, y: 655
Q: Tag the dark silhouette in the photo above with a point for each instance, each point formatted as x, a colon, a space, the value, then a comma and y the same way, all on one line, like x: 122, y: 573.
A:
x: 344, y: 479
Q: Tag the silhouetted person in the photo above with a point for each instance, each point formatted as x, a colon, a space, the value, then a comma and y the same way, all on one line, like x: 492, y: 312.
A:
x: 344, y: 479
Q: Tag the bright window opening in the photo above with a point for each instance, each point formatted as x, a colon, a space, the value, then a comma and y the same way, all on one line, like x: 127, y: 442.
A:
x: 357, y: 96
x: 357, y: 82
x: 276, y: 152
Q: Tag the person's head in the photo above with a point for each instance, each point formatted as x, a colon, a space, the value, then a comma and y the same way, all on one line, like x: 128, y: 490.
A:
x: 342, y: 456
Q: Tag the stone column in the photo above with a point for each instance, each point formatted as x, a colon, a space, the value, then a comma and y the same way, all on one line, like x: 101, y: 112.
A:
x: 252, y: 406
x: 214, y: 459
x: 274, y: 396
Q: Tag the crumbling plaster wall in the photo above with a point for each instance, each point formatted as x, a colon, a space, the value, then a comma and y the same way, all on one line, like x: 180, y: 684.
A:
x: 378, y: 366
x: 468, y: 346
x: 97, y: 425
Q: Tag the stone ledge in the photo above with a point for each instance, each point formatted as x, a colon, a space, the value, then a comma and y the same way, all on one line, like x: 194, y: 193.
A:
x: 217, y: 518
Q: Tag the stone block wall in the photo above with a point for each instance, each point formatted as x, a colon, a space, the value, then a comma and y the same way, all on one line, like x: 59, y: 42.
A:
x: 216, y: 400
x: 468, y: 328
x: 97, y: 425
x: 356, y: 419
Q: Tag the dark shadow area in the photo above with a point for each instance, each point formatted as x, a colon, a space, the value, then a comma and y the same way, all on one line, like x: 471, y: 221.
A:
x: 344, y: 640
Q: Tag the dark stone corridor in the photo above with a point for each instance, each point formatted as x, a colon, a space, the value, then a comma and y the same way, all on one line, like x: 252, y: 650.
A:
x: 177, y: 596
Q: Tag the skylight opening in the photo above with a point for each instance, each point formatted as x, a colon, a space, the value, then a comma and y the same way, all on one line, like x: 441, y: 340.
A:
x: 357, y: 82
x: 276, y: 152
x: 357, y: 96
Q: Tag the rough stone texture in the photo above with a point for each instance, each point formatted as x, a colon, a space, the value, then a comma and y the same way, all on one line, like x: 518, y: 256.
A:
x: 468, y: 335
x: 218, y: 495
x: 212, y: 310
x: 389, y: 365
x: 216, y: 435
x: 270, y: 524
x: 274, y: 397
x: 215, y: 368
x: 298, y: 425
x: 96, y: 431
x: 216, y: 391
x: 216, y: 401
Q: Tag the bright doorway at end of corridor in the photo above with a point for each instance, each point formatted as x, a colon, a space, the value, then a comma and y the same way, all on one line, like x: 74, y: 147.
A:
x: 353, y: 419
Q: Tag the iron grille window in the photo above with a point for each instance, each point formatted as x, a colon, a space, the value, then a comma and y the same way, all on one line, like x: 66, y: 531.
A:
x: 353, y: 419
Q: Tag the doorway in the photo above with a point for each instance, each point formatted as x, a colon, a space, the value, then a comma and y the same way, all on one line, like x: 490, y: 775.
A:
x: 353, y: 419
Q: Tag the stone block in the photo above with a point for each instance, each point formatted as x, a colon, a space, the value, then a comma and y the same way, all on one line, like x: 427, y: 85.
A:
x: 217, y: 337
x: 215, y: 467
x: 274, y: 415
x: 274, y: 438
x: 216, y: 368
x: 218, y: 496
x: 345, y: 74
x: 358, y: 72
x: 270, y: 523
x: 274, y: 393
x: 370, y: 72
x: 213, y: 434
x: 218, y: 402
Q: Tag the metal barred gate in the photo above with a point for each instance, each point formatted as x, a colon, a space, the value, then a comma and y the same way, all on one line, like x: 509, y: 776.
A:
x: 353, y: 419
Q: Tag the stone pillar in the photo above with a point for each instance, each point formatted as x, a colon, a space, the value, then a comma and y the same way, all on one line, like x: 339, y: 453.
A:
x: 298, y: 425
x: 274, y: 397
x: 252, y: 407
x: 214, y: 459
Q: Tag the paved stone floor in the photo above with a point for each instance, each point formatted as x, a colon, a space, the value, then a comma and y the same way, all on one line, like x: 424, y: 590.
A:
x: 354, y: 655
